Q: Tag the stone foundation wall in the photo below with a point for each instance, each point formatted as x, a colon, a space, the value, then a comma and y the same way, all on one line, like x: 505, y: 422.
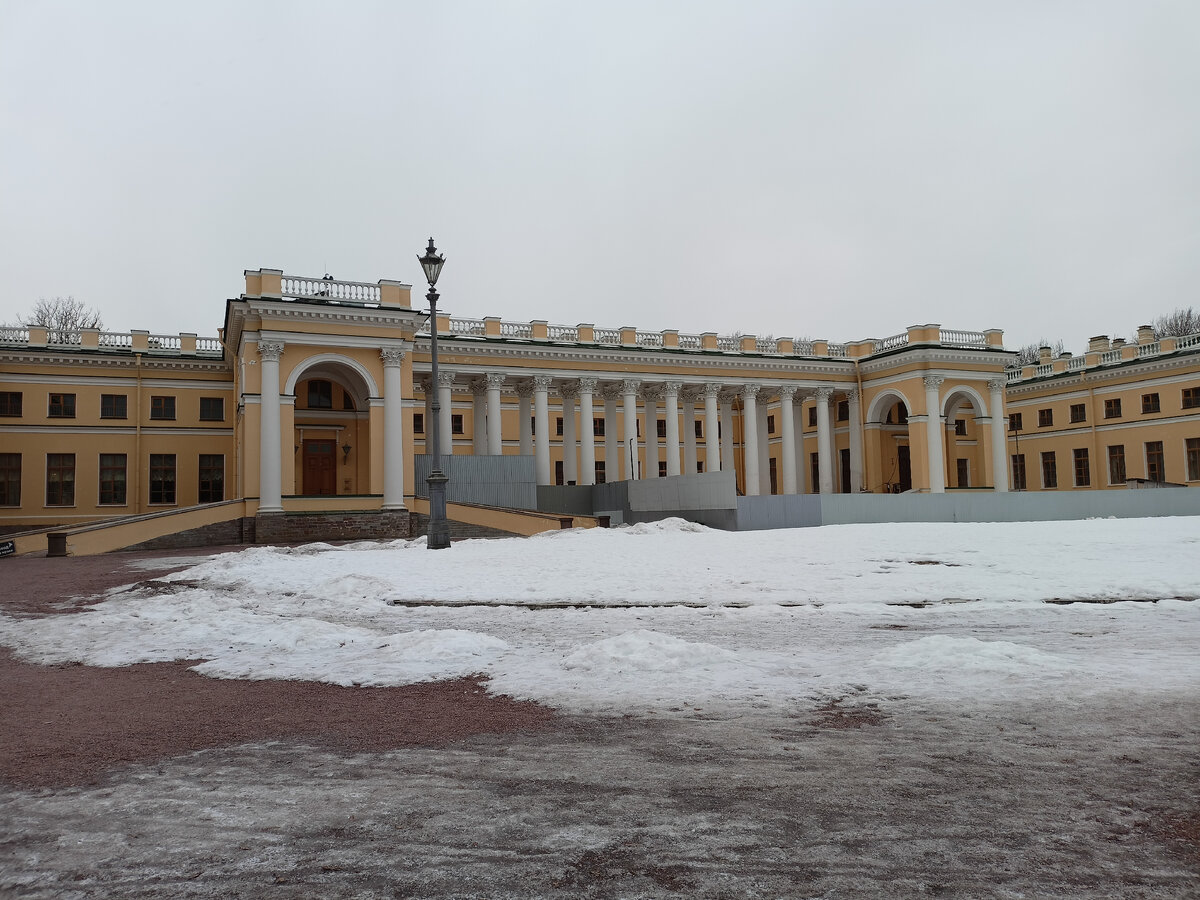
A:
x: 287, y: 528
x: 235, y: 531
x: 459, y: 531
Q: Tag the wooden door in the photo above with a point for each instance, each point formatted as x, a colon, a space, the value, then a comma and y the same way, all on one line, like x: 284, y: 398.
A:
x: 320, y: 467
x: 902, y: 454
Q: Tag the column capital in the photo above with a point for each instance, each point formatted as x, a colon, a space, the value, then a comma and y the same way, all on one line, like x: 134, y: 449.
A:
x: 611, y: 392
x: 494, y: 379
x: 712, y: 389
x: 653, y: 392
x: 542, y: 382
x: 997, y: 385
x: 478, y: 386
x: 933, y: 382
x: 445, y: 379
x: 391, y: 356
x: 425, y: 383
x: 672, y: 387
x: 691, y: 393
x: 787, y: 392
x: 750, y: 390
x: 852, y: 395
x: 630, y: 386
x: 568, y: 391
x: 823, y: 395
x: 587, y: 385
x: 524, y: 388
x: 270, y: 351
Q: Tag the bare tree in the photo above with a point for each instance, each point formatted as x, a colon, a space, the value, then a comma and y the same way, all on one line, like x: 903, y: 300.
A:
x: 1177, y: 323
x: 1030, y: 354
x: 63, y: 317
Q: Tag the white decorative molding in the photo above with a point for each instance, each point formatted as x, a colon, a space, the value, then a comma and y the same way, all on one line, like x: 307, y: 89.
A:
x: 270, y: 351
x: 392, y: 356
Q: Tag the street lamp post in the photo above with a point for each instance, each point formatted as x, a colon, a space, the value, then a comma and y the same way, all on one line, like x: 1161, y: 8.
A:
x: 438, y: 537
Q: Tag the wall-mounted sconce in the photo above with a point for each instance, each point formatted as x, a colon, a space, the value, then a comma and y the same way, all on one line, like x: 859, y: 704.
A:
x: 345, y: 453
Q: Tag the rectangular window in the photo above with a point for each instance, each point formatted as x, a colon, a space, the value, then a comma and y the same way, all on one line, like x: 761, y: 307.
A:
x: 558, y: 428
x: 1014, y: 422
x: 843, y: 411
x: 212, y: 409
x: 1018, y: 468
x: 112, y: 478
x: 1193, y: 460
x: 960, y: 427
x: 418, y: 423
x: 1112, y: 408
x: 699, y: 428
x: 1083, y: 468
x: 558, y: 472
x: 597, y: 427
x: 1049, y: 470
x: 1078, y: 412
x: 212, y: 478
x: 10, y: 479
x: 662, y: 428
x: 162, y: 477
x: 114, y: 406
x: 320, y: 394
x: 162, y: 408
x: 662, y: 468
x: 10, y: 403
x: 1155, y: 469
x: 963, y: 468
x: 1045, y: 418
x: 770, y: 424
x: 812, y: 417
x: 62, y: 406
x: 1116, y: 464
x: 1191, y: 398
x: 1150, y: 403
x: 600, y: 474
x: 60, y: 479
x: 456, y: 423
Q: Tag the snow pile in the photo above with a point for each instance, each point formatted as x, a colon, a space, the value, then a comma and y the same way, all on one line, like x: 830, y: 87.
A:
x: 942, y: 653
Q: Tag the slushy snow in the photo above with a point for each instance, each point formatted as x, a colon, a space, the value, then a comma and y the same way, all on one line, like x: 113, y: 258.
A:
x: 672, y: 614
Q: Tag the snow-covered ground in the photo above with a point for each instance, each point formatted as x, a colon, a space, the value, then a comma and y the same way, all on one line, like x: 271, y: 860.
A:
x: 676, y: 617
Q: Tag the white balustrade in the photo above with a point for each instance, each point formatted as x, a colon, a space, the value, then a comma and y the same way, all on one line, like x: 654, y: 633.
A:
x: 729, y: 343
x: 838, y: 350
x: 168, y: 343
x: 1149, y: 349
x: 802, y: 348
x: 891, y: 343
x: 1108, y: 357
x: 608, y: 335
x: 690, y: 342
x: 649, y: 339
x: 963, y: 338
x: 1188, y: 340
x: 469, y: 327
x: 329, y: 289
x: 14, y: 334
x: 207, y: 345
x: 563, y: 333
x: 64, y: 338
x: 1043, y: 370
x: 1075, y: 363
x: 766, y: 345
x: 516, y: 329
x: 116, y: 340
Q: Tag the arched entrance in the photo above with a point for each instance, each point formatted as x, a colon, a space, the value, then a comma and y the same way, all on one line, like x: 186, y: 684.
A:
x: 966, y: 453
x: 331, y: 427
x: 887, y: 426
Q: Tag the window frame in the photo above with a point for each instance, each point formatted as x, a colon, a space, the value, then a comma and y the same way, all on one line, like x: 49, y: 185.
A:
x: 1191, y: 452
x: 1112, y: 408
x: 220, y: 402
x: 1151, y: 403
x: 1016, y: 421
x: 1078, y: 413
x: 10, y: 409
x: 159, y: 485
x: 1156, y: 457
x: 65, y: 404
x: 10, y: 479
x: 418, y: 423
x: 1116, y: 463
x: 57, y: 463
x: 118, y: 406
x: 1049, y: 459
x: 108, y: 479
x: 1189, y: 398
x: 457, y: 424
x: 1081, y: 463
x: 162, y: 408
x: 201, y: 469
x: 1020, y: 475
x: 316, y: 390
x: 1046, y: 417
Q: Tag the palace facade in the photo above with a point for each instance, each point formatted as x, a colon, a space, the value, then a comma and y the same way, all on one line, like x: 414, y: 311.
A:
x: 315, y: 397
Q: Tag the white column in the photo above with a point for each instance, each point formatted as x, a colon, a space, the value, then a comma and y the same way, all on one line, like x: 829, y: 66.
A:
x: 712, y: 443
x: 689, y: 433
x: 479, y: 436
x: 835, y: 463
x: 495, y: 434
x: 393, y: 427
x: 856, y: 445
x: 541, y: 436
x: 270, y: 450
x: 787, y: 431
x: 671, y: 396
x: 629, y: 443
x: 750, y: 437
x: 525, y: 415
x: 612, y: 437
x: 935, y: 436
x: 802, y: 466
x: 999, y: 436
x: 587, y: 436
x: 824, y: 463
x: 728, y: 462
x: 570, y: 446
x: 650, y: 407
x: 445, y: 400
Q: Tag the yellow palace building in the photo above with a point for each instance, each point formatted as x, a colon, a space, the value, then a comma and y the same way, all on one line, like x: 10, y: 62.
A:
x: 306, y: 417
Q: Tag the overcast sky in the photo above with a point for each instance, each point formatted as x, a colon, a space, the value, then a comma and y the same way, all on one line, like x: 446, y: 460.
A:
x: 833, y: 170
